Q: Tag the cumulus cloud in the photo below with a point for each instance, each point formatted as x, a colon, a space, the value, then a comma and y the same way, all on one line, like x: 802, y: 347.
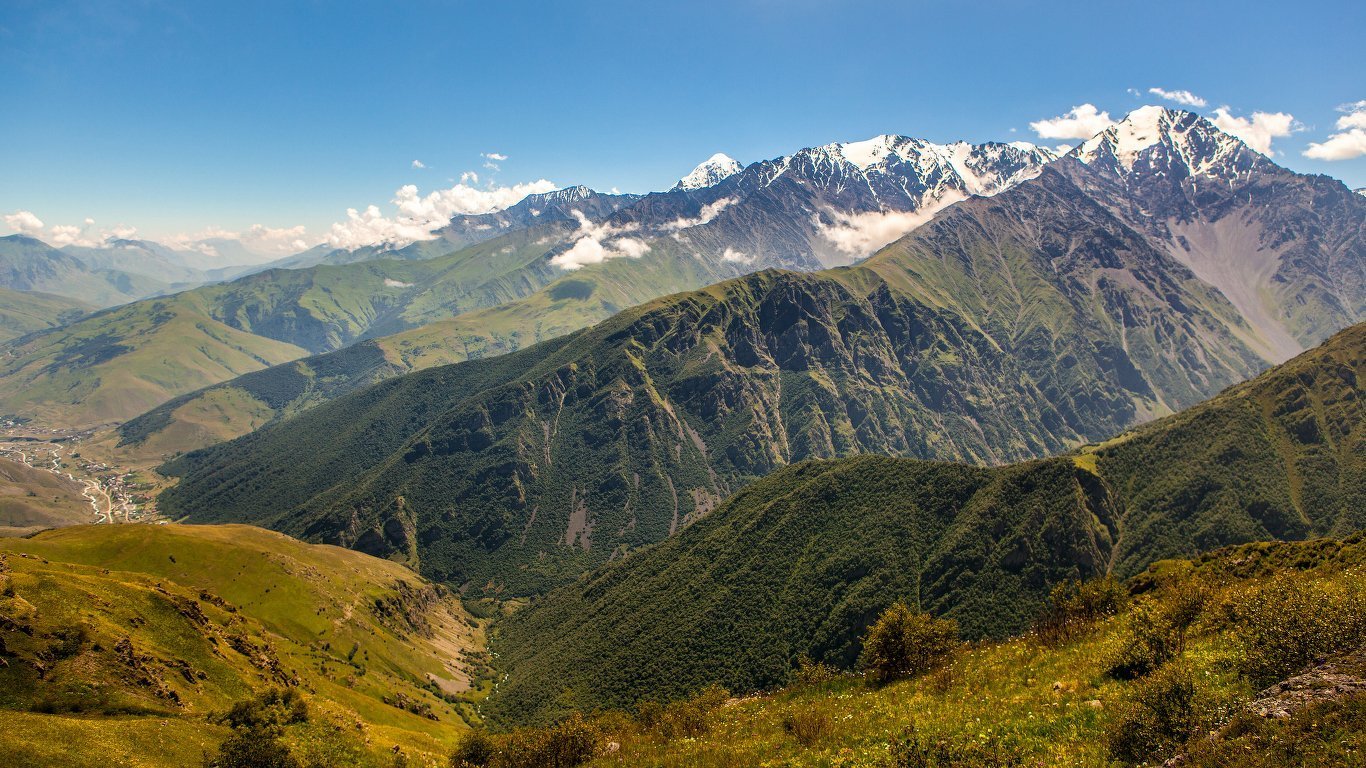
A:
x: 1185, y: 98
x: 419, y: 164
x: 25, y: 223
x: 597, y: 243
x: 496, y: 157
x: 739, y: 257
x: 1256, y: 131
x: 1082, y: 122
x: 61, y: 235
x: 708, y: 212
x: 1349, y: 141
x: 861, y: 234
x: 417, y: 214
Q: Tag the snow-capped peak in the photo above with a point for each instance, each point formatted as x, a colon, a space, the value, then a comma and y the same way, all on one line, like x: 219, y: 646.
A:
x: 1361, y: 191
x: 1185, y: 138
x: 713, y: 170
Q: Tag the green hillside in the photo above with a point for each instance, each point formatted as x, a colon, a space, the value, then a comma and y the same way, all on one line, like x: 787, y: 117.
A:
x: 800, y: 562
x: 633, y: 428
x: 113, y: 632
x: 1263, y: 628
x: 280, y: 315
x: 23, y: 312
x: 566, y: 304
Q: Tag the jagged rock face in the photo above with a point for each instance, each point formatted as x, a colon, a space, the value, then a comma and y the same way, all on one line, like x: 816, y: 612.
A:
x: 1287, y: 250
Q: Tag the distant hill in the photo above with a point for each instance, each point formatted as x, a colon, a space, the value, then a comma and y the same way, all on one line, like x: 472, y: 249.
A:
x: 23, y: 312
x: 803, y: 560
x: 116, y: 633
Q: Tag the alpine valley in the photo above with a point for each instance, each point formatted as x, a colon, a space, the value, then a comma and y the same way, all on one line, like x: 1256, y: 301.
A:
x: 883, y: 453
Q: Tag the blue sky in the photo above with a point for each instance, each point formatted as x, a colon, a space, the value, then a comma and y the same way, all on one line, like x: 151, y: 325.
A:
x: 178, y: 117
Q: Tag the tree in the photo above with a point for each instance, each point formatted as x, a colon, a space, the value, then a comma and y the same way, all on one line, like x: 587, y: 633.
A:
x: 903, y: 643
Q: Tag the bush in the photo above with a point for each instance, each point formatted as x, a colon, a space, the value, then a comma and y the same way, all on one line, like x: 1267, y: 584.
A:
x: 253, y: 748
x: 565, y: 745
x: 1157, y: 630
x: 1288, y: 622
x: 682, y: 719
x: 912, y: 749
x: 474, y: 751
x: 1073, y: 606
x: 810, y: 673
x: 903, y: 643
x: 808, y: 725
x: 1159, y: 715
x: 273, y: 707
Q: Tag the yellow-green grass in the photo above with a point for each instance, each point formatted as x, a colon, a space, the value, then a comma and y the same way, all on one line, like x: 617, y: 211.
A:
x: 308, y: 606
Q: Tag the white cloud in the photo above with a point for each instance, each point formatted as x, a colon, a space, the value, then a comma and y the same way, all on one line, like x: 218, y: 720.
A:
x: 1257, y: 131
x: 1082, y: 122
x: 61, y: 235
x: 597, y: 243
x: 417, y: 215
x: 709, y: 212
x: 1062, y: 149
x: 25, y: 223
x: 739, y: 257
x: 419, y: 164
x: 1349, y: 142
x: 496, y: 157
x: 861, y: 234
x: 1185, y: 98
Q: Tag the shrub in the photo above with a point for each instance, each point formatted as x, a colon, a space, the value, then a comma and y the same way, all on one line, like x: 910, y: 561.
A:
x: 253, y: 748
x: 903, y: 643
x: 1157, y: 630
x: 682, y: 719
x: 809, y: 673
x: 808, y: 725
x: 565, y: 745
x: 913, y: 749
x: 1291, y: 620
x: 474, y: 751
x: 1160, y: 713
x: 273, y: 707
x: 1073, y: 606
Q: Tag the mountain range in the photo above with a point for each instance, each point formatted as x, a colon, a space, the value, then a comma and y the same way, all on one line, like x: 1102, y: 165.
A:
x: 1009, y: 327
x: 568, y: 258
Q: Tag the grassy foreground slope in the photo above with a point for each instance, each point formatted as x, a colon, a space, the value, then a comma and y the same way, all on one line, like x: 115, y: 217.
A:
x: 110, y: 628
x: 801, y: 562
x: 1255, y: 615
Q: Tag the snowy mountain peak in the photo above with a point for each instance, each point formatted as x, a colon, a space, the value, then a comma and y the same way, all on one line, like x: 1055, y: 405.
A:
x: 1185, y: 139
x: 710, y: 172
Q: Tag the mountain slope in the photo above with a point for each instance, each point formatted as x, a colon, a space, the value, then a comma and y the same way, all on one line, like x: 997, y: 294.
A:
x: 803, y: 560
x: 23, y: 312
x: 265, y: 318
x: 111, y: 626
x: 31, y: 265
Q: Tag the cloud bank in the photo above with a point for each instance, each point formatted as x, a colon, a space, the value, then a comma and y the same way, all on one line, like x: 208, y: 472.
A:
x: 1259, y: 130
x: 1082, y: 122
x: 597, y: 243
x: 861, y: 234
x: 1349, y: 141
x: 417, y: 215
